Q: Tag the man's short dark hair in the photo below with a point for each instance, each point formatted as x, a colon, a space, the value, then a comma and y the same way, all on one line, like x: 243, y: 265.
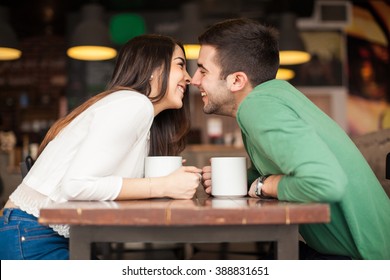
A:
x: 244, y: 45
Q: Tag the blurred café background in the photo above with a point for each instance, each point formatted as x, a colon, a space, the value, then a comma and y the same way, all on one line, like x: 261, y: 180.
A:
x: 345, y: 69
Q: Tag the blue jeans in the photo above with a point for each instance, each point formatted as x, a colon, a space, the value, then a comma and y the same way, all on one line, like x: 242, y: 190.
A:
x: 23, y: 238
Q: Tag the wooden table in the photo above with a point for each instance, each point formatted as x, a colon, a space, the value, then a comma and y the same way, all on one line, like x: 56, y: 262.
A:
x: 185, y: 221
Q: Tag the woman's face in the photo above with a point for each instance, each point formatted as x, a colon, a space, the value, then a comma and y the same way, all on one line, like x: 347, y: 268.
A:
x: 179, y: 79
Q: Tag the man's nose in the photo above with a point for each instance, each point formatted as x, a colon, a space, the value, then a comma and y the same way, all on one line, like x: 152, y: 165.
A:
x: 195, y: 81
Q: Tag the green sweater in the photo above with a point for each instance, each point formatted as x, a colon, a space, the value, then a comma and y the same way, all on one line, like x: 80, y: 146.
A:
x: 285, y: 133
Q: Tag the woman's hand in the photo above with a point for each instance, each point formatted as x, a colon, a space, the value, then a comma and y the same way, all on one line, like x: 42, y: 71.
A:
x: 206, y: 179
x: 182, y: 183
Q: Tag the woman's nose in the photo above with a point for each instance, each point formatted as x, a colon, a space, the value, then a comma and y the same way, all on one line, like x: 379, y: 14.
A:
x: 187, y: 78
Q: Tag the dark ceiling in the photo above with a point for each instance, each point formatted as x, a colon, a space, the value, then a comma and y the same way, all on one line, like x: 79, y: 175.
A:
x: 34, y: 17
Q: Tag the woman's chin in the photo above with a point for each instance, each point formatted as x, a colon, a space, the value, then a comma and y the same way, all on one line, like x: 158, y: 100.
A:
x: 179, y: 105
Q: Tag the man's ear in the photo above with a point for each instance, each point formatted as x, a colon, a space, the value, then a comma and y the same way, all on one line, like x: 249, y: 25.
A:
x: 237, y: 81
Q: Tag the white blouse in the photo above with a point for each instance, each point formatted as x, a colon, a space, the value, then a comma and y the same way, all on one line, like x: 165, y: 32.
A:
x: 89, y: 157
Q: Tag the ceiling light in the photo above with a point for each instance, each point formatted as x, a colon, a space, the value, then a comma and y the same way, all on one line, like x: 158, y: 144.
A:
x: 192, y: 51
x: 285, y: 74
x: 91, y: 38
x: 125, y: 26
x: 9, y: 47
x: 190, y: 28
x: 291, y: 46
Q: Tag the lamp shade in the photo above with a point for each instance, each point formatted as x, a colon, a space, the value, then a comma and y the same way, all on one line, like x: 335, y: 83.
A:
x: 91, y: 38
x: 291, y: 46
x: 190, y: 27
x: 9, y: 46
x: 192, y: 51
x: 285, y: 74
x: 125, y: 26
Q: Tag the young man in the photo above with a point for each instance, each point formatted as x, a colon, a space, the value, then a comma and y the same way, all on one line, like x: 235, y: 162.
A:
x: 298, y: 153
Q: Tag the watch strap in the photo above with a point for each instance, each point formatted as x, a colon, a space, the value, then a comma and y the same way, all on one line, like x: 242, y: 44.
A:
x: 259, y: 185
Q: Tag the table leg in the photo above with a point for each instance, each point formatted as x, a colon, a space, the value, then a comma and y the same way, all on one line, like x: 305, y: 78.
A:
x: 80, y: 243
x: 285, y: 236
x: 287, y: 246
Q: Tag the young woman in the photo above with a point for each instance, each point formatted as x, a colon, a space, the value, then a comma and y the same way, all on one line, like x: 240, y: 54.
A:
x: 97, y: 151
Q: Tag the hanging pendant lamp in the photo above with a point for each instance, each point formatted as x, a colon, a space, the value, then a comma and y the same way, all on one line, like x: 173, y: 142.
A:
x: 285, y: 74
x: 291, y: 46
x: 190, y: 27
x: 9, y: 46
x: 91, y: 39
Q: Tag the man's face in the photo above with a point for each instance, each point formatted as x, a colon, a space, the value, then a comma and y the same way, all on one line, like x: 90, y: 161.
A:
x: 216, y: 96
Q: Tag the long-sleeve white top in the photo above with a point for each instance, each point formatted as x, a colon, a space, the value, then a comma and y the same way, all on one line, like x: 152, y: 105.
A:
x: 90, y: 157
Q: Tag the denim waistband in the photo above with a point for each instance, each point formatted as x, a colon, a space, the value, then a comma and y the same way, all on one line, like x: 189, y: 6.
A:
x: 15, y: 214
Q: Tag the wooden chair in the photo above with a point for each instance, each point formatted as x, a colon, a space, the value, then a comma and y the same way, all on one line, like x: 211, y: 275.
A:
x: 375, y: 147
x: 26, y: 165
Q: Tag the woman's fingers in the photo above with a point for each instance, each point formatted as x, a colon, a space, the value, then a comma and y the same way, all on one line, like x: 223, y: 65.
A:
x: 192, y: 169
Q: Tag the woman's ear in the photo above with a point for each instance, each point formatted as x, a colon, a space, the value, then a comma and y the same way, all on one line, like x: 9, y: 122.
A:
x: 155, y: 82
x: 237, y: 81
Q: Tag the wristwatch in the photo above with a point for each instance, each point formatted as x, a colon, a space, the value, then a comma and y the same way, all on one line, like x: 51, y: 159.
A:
x: 259, y: 185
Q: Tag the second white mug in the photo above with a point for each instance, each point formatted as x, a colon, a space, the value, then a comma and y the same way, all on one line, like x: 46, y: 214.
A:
x: 228, y: 176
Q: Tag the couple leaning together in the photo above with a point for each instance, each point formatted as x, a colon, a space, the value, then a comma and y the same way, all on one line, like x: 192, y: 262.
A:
x: 97, y: 152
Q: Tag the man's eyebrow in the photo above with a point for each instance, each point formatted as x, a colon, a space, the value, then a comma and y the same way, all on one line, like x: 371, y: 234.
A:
x: 200, y: 65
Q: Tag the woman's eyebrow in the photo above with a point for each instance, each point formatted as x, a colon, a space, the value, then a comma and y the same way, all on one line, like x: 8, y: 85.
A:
x: 180, y: 58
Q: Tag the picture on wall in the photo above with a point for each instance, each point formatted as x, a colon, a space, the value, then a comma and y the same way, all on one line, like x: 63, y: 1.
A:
x: 367, y: 75
x: 369, y: 86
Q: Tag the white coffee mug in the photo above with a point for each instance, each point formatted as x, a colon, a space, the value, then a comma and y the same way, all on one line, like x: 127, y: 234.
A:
x: 228, y: 176
x: 158, y: 166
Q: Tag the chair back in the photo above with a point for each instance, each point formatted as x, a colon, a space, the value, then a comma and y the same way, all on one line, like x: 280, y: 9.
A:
x: 26, y: 165
x: 375, y: 147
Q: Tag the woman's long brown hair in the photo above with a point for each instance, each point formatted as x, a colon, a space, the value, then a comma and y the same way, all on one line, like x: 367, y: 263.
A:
x: 136, y: 62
